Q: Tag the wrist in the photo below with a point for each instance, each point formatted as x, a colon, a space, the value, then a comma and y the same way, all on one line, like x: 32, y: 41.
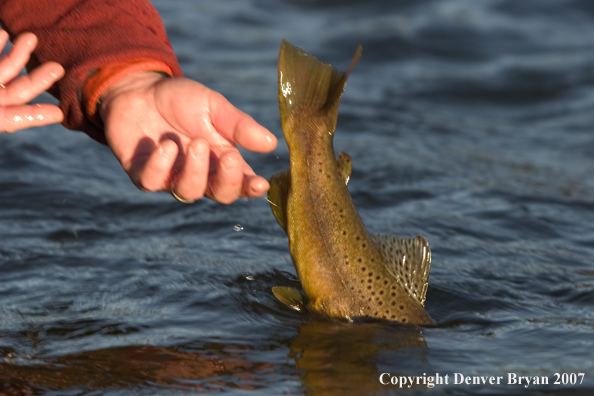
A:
x: 134, y: 82
x: 113, y: 78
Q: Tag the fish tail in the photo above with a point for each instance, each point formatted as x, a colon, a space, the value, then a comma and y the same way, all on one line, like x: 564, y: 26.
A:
x: 307, y: 84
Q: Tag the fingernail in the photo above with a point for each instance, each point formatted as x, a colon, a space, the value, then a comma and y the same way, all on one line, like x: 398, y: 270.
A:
x: 230, y: 160
x: 257, y: 187
x: 163, y: 152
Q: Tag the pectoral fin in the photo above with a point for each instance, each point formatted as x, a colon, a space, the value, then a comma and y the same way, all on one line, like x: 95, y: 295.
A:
x: 408, y: 260
x: 345, y: 166
x: 278, y: 195
x: 289, y: 296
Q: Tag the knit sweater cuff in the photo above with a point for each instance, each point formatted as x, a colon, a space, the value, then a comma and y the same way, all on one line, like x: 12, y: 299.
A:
x: 98, y: 82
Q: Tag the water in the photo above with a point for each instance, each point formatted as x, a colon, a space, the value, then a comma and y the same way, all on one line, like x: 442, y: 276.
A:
x: 469, y: 122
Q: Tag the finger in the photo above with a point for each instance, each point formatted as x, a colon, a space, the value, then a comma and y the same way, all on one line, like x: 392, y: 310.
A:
x: 17, y: 57
x: 155, y: 173
x: 27, y: 87
x: 3, y: 39
x: 28, y: 116
x: 239, y: 127
x: 191, y: 182
x: 254, y: 186
x: 226, y: 180
x: 247, y: 189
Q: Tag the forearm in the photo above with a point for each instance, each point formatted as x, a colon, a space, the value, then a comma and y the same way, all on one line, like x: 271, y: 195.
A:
x: 84, y: 36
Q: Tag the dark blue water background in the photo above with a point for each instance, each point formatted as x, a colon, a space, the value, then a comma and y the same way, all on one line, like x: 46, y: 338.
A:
x: 470, y: 122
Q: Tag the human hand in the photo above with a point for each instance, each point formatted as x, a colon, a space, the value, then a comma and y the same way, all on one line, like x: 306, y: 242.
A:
x: 15, y: 91
x: 176, y: 135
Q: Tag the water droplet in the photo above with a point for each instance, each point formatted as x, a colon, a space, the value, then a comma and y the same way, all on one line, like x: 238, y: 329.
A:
x: 238, y: 227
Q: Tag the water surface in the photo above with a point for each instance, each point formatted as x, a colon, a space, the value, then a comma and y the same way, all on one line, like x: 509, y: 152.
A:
x: 469, y: 122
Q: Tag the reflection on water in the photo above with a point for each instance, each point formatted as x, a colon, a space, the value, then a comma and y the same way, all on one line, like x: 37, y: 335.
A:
x: 219, y: 367
x: 331, y: 358
x: 343, y: 359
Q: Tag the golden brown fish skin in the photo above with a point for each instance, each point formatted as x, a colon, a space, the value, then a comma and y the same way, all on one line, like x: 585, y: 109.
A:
x: 341, y: 269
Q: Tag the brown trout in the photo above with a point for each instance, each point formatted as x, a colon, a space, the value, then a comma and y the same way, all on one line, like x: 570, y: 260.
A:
x: 345, y: 271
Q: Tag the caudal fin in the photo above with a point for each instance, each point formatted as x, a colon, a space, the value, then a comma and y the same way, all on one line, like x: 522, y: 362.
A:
x: 306, y: 82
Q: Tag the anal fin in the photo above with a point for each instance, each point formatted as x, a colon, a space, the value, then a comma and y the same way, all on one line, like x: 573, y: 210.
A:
x: 278, y: 194
x: 408, y: 260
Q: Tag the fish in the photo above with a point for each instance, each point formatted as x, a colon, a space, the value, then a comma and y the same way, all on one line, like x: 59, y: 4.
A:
x: 345, y: 271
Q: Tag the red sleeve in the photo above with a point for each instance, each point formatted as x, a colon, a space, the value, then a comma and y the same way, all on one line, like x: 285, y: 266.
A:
x: 86, y: 35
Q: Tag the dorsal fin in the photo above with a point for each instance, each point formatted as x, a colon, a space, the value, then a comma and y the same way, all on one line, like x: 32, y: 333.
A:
x: 278, y: 194
x: 345, y: 166
x: 408, y: 260
x: 304, y: 81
